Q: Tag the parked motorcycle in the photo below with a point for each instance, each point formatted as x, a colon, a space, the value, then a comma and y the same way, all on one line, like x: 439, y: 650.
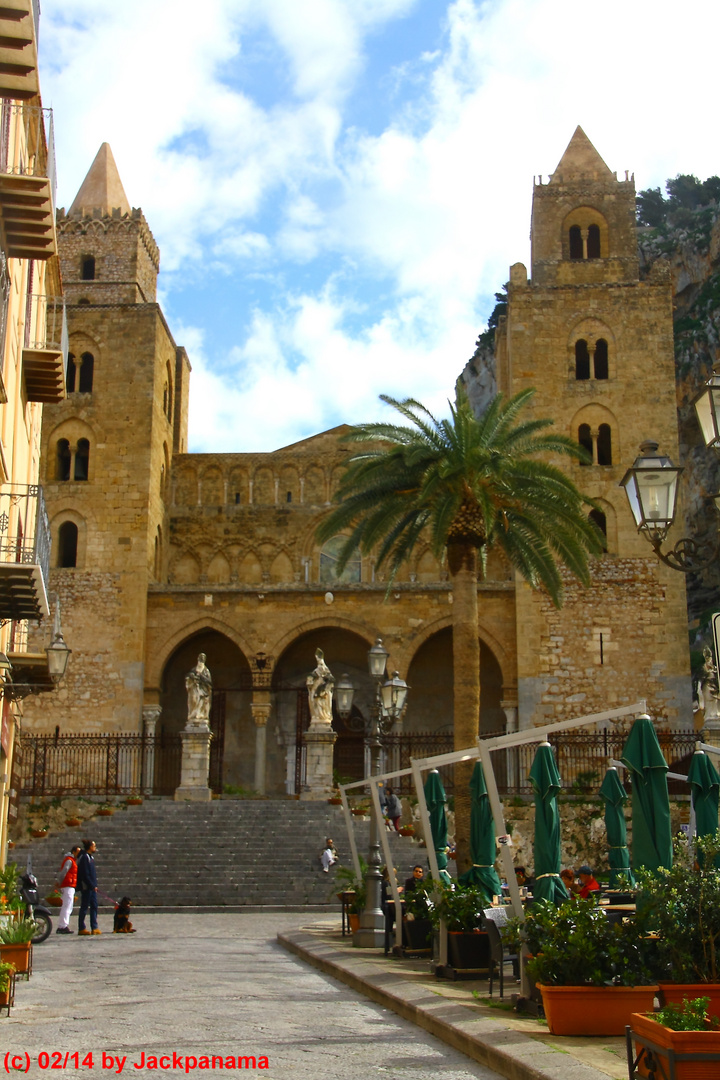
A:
x: 30, y: 894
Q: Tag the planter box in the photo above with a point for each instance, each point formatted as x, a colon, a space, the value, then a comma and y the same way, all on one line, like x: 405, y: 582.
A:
x: 677, y: 1053
x: 673, y: 994
x: 417, y: 934
x: 20, y: 956
x: 7, y: 997
x: 594, y: 1010
x: 468, y: 952
x: 354, y: 921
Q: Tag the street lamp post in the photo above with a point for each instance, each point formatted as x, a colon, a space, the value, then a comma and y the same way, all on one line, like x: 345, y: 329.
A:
x: 388, y: 704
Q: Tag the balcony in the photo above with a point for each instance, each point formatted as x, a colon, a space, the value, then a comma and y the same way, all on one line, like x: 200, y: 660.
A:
x: 24, y: 552
x: 45, y: 349
x: 27, y: 180
x: 18, y: 49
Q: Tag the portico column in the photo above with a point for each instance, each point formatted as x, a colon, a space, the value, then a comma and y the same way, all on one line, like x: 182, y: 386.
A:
x: 510, y: 708
x: 261, y: 715
x: 150, y: 715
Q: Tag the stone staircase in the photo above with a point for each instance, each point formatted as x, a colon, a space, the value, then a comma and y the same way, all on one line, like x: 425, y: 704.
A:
x: 226, y: 854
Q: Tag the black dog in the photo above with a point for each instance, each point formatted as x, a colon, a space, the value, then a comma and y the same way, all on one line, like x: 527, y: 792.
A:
x: 121, y: 918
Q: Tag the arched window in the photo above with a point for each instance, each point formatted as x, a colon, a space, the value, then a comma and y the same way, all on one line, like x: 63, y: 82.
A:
x: 604, y: 445
x: 576, y: 244
x: 599, y: 519
x: 62, y: 471
x: 87, y: 268
x: 288, y: 496
x: 168, y: 397
x: 67, y: 544
x: 82, y: 459
x: 71, y: 373
x: 601, y: 359
x: 328, y: 563
x: 87, y: 367
x: 593, y: 242
x: 582, y: 360
x: 585, y: 440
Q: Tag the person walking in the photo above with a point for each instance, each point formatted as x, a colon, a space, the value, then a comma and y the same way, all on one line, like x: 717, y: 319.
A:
x: 393, y: 808
x: 87, y: 882
x: 67, y: 880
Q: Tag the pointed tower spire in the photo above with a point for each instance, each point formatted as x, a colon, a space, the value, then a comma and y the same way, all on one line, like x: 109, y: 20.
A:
x: 102, y: 187
x: 580, y: 161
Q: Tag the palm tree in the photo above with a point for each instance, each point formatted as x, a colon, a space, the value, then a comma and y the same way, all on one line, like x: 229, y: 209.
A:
x: 467, y: 484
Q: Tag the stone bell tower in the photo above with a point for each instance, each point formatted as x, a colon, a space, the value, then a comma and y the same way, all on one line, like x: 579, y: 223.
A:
x: 595, y: 341
x: 107, y: 451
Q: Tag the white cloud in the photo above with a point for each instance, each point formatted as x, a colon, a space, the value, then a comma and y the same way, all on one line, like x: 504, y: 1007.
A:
x: 408, y: 230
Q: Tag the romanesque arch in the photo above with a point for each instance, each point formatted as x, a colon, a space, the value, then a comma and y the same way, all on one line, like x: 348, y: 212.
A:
x: 233, y: 746
x: 585, y: 234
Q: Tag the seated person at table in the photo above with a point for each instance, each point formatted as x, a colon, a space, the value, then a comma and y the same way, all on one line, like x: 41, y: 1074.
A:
x: 522, y: 879
x: 568, y: 877
x: 588, y: 884
x: 418, y: 878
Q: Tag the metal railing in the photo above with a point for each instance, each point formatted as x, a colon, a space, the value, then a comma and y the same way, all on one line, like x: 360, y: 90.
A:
x: 24, y: 526
x: 100, y: 765
x: 46, y: 324
x: 27, y: 142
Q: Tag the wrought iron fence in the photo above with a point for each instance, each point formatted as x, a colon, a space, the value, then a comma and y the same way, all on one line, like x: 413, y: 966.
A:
x: 104, y: 765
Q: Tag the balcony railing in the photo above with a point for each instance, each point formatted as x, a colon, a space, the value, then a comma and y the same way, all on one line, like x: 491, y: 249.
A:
x: 24, y: 552
x: 27, y: 180
x: 45, y: 348
x: 19, y: 25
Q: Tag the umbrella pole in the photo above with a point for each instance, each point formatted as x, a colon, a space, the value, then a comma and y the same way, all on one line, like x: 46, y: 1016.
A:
x: 430, y: 848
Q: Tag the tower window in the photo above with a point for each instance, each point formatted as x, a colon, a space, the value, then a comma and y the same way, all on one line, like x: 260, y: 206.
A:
x: 67, y: 544
x: 71, y: 373
x: 288, y: 496
x: 237, y: 498
x: 576, y: 244
x: 604, y: 445
x: 82, y: 460
x: 87, y: 366
x: 585, y: 440
x: 598, y: 518
x: 593, y: 242
x: 87, y: 268
x: 601, y: 359
x: 62, y: 471
x: 582, y: 360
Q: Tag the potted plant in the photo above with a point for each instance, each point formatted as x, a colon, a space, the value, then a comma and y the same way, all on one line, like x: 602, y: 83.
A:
x: 461, y: 909
x: 407, y: 830
x: 683, y: 906
x: 7, y: 986
x: 134, y: 800
x: 38, y: 834
x: 592, y: 973
x: 16, y: 945
x: 105, y: 810
x: 356, y: 886
x: 686, y: 1032
x: 73, y: 822
x: 417, y: 923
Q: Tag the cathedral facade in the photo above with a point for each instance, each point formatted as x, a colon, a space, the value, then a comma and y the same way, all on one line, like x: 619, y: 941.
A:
x: 160, y: 554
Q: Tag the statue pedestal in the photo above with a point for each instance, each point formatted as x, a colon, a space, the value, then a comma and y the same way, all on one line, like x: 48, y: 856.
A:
x: 711, y: 726
x: 195, y: 767
x: 319, y: 742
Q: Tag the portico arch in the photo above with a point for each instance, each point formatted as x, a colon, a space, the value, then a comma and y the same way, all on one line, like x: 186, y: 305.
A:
x: 232, y: 750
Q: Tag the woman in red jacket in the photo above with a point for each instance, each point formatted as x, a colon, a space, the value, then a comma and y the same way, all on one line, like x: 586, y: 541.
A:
x: 67, y: 880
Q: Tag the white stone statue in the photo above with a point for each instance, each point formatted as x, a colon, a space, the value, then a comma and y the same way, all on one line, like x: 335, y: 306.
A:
x: 708, y: 693
x: 320, y: 691
x: 198, y: 684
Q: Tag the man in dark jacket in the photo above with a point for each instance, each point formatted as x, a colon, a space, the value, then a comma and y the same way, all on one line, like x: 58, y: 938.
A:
x: 87, y: 884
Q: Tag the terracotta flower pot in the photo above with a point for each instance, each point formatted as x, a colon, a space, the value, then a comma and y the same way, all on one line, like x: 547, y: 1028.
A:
x: 105, y: 811
x: 20, y: 956
x: 134, y: 800
x: 38, y: 834
x: 73, y: 822
x: 7, y: 997
x: 354, y: 921
x: 594, y: 1010
x: 673, y: 994
x: 681, y: 1042
x: 335, y: 802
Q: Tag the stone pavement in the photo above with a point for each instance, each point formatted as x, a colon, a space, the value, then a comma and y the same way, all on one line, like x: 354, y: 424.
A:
x: 460, y: 1013
x: 194, y: 986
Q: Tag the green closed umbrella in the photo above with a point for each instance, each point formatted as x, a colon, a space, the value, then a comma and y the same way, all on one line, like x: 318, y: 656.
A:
x: 435, y: 798
x: 545, y: 780
x: 615, y: 797
x: 482, y: 873
x: 652, y: 837
x: 705, y: 789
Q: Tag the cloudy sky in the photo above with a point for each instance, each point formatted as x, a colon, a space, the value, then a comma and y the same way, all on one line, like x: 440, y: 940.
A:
x: 339, y: 186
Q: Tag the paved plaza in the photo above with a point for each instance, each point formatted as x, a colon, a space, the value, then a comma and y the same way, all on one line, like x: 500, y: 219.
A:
x: 192, y: 987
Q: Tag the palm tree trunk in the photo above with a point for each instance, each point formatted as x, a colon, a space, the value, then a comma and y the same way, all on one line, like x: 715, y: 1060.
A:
x: 462, y: 561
